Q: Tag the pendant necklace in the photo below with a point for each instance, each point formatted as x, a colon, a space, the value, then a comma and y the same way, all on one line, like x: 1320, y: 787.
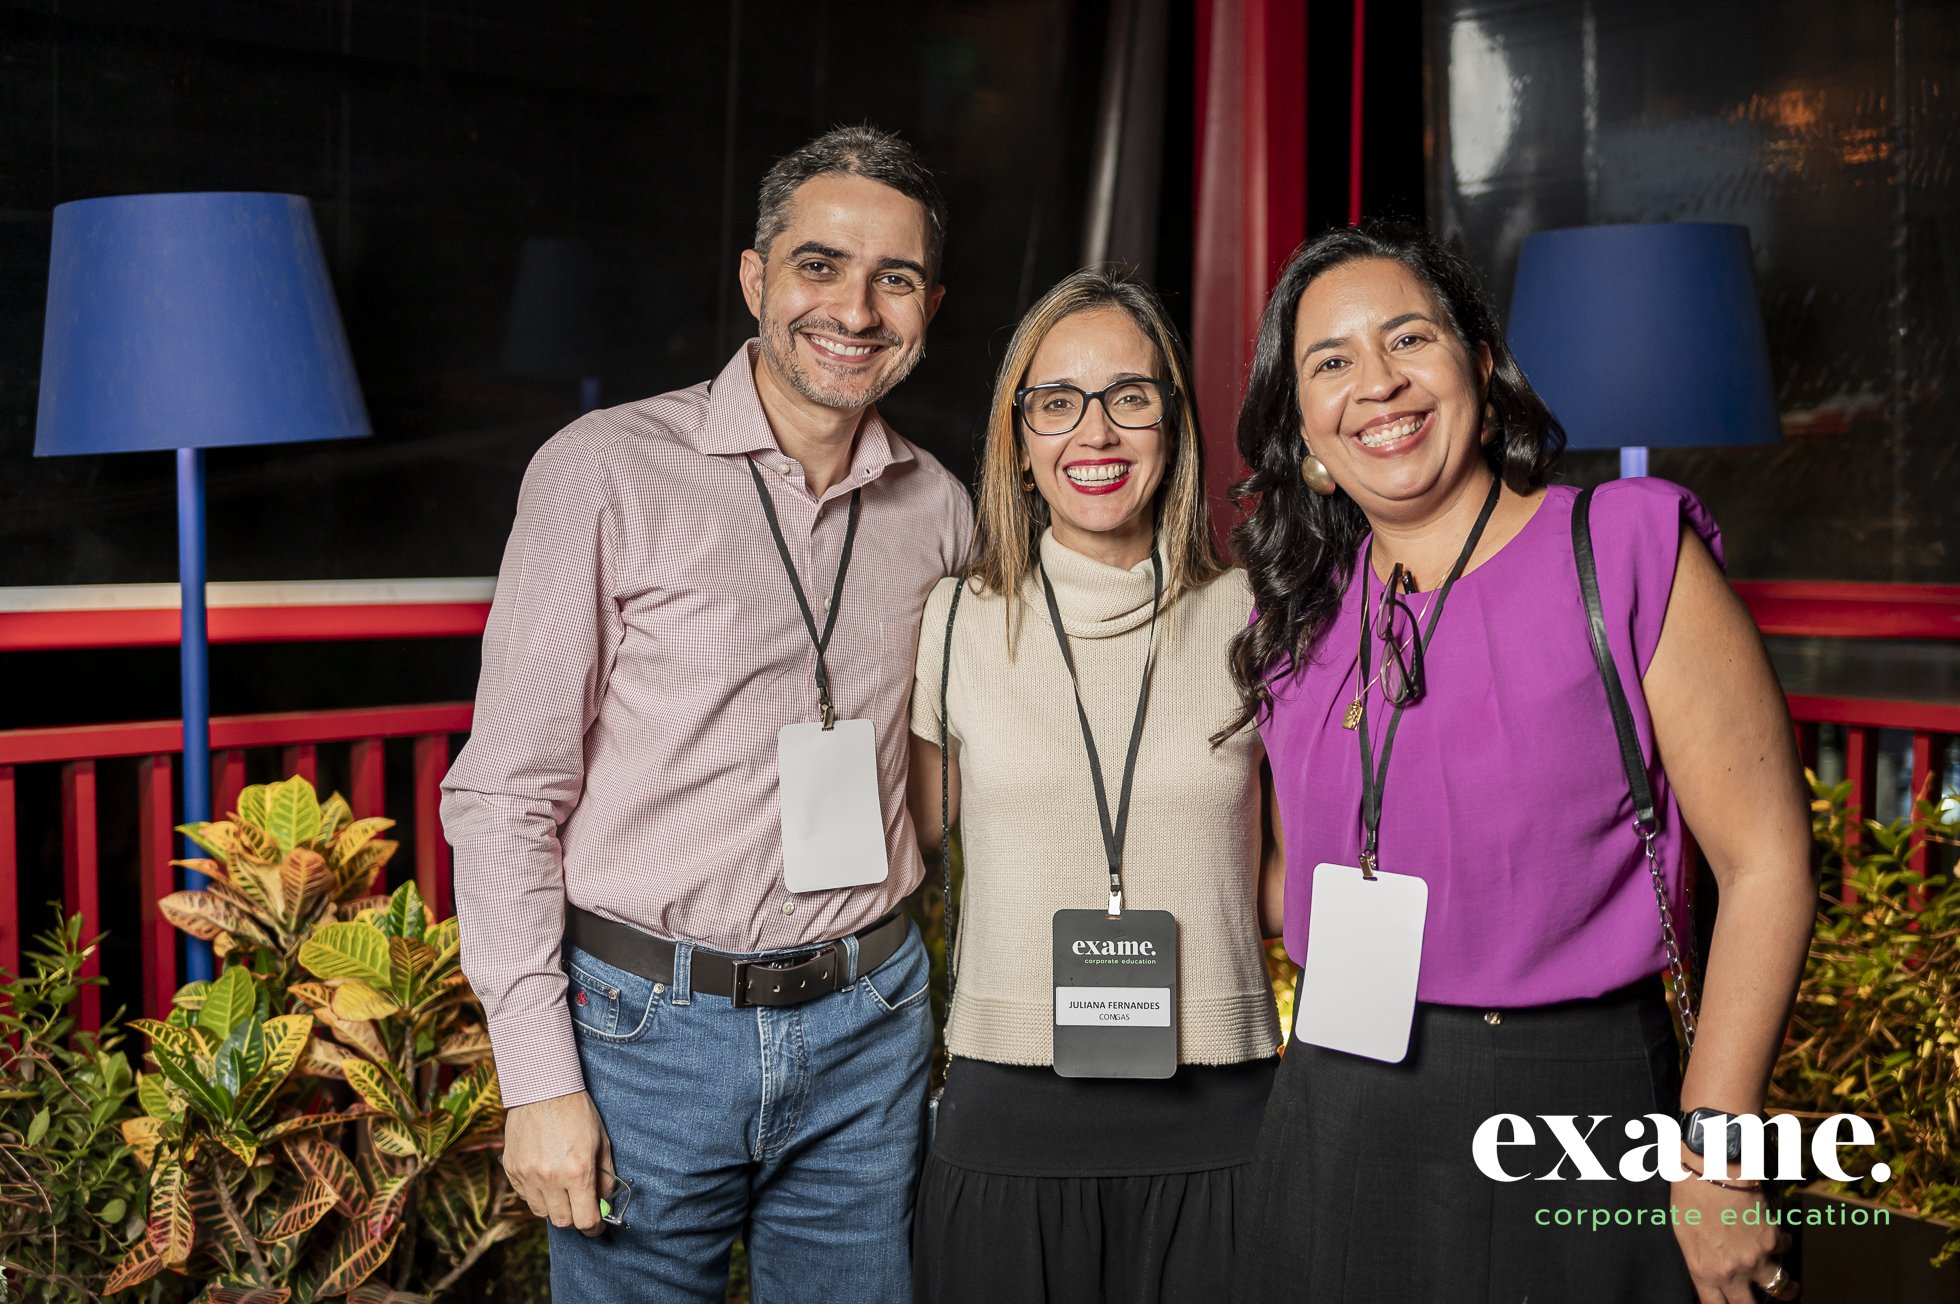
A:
x: 1351, y: 718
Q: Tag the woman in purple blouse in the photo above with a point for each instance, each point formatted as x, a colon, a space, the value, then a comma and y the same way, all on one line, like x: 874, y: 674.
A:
x: 1419, y: 606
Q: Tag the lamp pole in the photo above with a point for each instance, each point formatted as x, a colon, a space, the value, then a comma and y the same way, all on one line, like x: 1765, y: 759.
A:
x: 195, y: 674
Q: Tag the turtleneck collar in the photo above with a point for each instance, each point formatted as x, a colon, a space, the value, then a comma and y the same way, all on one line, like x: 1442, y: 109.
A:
x: 1096, y: 600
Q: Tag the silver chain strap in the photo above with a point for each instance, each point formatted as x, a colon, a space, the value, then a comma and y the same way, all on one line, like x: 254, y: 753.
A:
x: 1677, y: 965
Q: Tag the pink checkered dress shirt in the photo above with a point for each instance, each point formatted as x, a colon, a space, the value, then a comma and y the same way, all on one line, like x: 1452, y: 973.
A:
x: 643, y: 651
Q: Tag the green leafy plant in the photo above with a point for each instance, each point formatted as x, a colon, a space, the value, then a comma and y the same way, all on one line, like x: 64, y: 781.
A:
x: 70, y: 1196
x: 323, y: 1120
x: 1876, y: 1028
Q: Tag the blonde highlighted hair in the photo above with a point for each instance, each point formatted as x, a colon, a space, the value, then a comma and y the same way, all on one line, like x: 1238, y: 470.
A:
x: 1011, y: 518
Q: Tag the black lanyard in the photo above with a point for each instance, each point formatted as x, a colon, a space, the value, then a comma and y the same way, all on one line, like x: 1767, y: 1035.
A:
x: 1112, y: 835
x: 1374, y: 778
x: 822, y: 642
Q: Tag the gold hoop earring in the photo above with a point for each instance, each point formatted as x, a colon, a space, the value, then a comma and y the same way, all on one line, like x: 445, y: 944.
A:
x: 1314, y: 472
x: 1027, y: 482
x: 1490, y: 423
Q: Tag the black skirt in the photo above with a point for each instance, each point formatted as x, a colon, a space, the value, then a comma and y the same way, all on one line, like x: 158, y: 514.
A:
x: 1368, y: 1193
x: 1089, y: 1191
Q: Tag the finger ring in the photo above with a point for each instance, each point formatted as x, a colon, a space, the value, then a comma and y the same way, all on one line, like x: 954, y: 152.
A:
x: 1781, y: 1286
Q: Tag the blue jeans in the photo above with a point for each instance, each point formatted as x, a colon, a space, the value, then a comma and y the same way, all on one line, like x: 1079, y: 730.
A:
x: 798, y: 1128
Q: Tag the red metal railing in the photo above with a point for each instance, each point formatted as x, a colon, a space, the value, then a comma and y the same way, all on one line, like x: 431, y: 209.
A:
x: 1801, y: 609
x: 298, y: 736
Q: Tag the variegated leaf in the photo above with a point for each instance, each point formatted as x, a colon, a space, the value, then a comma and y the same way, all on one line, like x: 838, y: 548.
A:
x: 229, y: 1001
x: 376, y: 1086
x: 299, y: 1216
x: 412, y: 960
x: 242, y: 1144
x: 220, y: 1215
x: 215, y: 836
x: 354, y: 875
x: 141, y: 1134
x: 320, y: 1059
x: 172, y: 1229
x: 348, y: 951
x: 467, y: 1045
x: 207, y: 916
x: 407, y: 916
x: 251, y: 805
x: 356, y: 1000
x: 331, y: 1165
x: 155, y: 1097
x: 215, y: 1294
x: 212, y: 869
x: 189, y: 1078
x: 285, y: 1039
x: 353, y: 1034
x: 384, y: 1212
x: 311, y: 993
x: 354, y: 1257
x: 335, y: 815
x: 355, y: 838
x: 306, y: 882
x: 292, y: 813
x: 286, y: 1127
x: 140, y: 1263
x: 445, y: 938
x: 393, y: 1137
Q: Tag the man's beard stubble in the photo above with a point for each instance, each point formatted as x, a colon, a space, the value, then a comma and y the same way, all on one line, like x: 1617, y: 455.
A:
x: 779, y: 350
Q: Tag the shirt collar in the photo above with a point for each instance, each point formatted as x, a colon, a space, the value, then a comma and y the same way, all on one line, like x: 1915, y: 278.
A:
x: 736, y: 424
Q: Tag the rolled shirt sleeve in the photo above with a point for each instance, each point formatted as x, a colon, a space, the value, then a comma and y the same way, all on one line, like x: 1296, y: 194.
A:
x: 548, y: 651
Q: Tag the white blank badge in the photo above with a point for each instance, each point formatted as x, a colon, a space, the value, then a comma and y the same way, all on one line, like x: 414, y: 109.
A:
x: 1364, y: 953
x: 833, y: 829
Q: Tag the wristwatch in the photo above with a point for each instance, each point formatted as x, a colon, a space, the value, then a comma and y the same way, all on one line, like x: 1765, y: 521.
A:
x: 1693, y: 1131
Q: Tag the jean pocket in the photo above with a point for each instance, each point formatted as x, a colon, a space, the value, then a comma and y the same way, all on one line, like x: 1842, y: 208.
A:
x: 902, y: 981
x: 607, y: 1002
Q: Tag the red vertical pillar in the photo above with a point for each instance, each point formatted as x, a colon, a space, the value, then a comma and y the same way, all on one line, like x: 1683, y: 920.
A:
x: 81, y: 886
x: 155, y: 840
x: 431, y: 848
x: 1251, y: 202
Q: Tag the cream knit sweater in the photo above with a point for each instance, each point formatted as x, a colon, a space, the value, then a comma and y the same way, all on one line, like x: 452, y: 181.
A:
x: 1028, y: 806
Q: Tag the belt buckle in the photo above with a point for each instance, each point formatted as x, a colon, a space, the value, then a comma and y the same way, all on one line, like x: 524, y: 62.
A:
x: 738, y: 988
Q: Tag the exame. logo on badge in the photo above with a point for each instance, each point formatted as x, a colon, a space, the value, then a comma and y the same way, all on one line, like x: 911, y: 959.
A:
x: 1088, y: 946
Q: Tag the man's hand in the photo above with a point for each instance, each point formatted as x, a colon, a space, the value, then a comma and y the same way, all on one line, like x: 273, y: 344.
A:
x: 554, y: 1151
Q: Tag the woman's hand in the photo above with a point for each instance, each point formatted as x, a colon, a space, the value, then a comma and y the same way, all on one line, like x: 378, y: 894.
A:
x: 1726, y: 1261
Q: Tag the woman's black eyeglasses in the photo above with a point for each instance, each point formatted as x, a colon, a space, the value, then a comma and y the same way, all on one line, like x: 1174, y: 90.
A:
x: 1057, y: 408
x: 1401, y: 656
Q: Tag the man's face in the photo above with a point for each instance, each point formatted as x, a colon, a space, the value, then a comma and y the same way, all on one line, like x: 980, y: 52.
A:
x: 843, y: 299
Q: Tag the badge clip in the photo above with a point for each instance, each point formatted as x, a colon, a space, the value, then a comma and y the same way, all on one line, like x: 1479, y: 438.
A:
x: 827, y: 713
x: 1368, y: 864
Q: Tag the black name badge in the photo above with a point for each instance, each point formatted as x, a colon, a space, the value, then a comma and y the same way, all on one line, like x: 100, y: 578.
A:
x: 1115, y: 994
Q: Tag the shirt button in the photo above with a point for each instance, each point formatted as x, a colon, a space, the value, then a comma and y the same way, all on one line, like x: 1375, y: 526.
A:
x: 826, y: 604
x: 783, y: 467
x: 867, y: 473
x: 789, y: 907
x: 1493, y: 1017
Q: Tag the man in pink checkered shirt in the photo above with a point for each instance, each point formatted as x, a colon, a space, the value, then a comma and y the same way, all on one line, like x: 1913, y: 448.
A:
x: 708, y: 1020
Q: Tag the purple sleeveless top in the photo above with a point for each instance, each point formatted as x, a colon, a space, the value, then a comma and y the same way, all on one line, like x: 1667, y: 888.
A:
x: 1504, y: 789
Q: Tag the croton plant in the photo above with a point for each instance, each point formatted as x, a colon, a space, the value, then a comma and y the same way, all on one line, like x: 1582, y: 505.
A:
x: 322, y: 1119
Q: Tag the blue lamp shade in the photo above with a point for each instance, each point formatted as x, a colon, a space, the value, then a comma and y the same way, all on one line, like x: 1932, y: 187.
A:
x: 191, y: 321
x: 1645, y: 335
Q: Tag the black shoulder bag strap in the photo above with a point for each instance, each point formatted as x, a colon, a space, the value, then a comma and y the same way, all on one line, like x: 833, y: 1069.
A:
x: 945, y: 798
x: 1645, y: 817
x: 945, y: 855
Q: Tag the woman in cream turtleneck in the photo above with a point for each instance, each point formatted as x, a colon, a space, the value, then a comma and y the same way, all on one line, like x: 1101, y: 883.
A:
x: 1092, y: 505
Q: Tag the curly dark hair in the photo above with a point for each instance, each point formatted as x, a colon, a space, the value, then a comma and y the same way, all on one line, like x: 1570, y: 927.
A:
x: 1298, y: 547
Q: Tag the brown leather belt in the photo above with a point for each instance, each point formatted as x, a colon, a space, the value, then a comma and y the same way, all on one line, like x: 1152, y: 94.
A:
x: 818, y: 972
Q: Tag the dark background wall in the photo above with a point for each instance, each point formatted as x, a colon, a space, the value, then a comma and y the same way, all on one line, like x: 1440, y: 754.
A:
x: 436, y: 140
x: 448, y: 149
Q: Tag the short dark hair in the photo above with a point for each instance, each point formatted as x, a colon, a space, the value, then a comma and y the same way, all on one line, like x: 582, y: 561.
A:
x: 861, y: 151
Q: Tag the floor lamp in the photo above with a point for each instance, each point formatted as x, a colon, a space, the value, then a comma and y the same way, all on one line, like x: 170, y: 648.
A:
x: 1645, y: 335
x: 187, y: 322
